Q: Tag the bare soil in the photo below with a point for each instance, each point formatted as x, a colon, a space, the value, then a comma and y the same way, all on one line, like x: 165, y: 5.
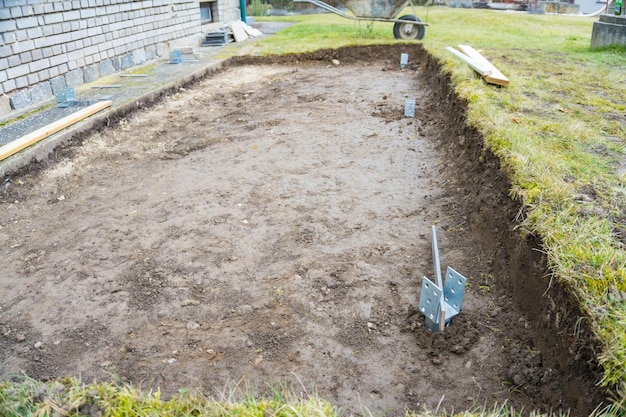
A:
x: 271, y: 223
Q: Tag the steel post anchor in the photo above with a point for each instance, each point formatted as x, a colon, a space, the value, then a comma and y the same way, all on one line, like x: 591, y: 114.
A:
x: 440, y: 302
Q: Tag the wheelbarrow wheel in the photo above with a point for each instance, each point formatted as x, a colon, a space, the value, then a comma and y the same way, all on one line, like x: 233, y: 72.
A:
x: 407, y: 30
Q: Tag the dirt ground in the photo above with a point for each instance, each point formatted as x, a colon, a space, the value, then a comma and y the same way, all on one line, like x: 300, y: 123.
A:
x: 270, y: 223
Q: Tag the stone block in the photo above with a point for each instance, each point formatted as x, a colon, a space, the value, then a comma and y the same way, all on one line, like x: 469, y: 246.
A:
x: 126, y: 62
x: 32, y: 79
x: 151, y: 52
x: 40, y: 92
x: 9, y: 37
x: 27, y: 22
x: 57, y: 84
x: 63, y: 37
x: 71, y: 15
x: 36, y: 54
x: 91, y: 73
x: 26, y: 57
x: 27, y: 45
x: 13, y: 60
x: 27, y: 10
x: 91, y: 50
x: 74, y: 78
x: 609, y: 31
x: 5, y: 105
x: 9, y: 85
x: 116, y: 63
x: 86, y: 13
x: 39, y: 65
x: 139, y: 56
x: 160, y: 49
x: 18, y: 71
x: 106, y: 68
x: 51, y: 18
x: 54, y: 71
x: 58, y: 60
x: 35, y: 32
x: 44, y: 75
x: 20, y: 100
x: 21, y: 82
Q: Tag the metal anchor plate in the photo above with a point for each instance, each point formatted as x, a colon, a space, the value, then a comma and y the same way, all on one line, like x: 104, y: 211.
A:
x: 437, y: 302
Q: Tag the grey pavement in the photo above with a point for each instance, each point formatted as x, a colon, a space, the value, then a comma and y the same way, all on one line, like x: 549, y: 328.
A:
x: 140, y: 84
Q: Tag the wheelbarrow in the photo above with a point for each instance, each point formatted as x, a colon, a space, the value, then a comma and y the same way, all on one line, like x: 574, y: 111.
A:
x: 405, y: 27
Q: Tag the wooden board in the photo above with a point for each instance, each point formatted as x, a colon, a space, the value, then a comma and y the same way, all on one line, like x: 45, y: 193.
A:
x: 238, y: 31
x: 495, y: 76
x: 39, y: 134
x: 255, y: 33
x: 479, y: 67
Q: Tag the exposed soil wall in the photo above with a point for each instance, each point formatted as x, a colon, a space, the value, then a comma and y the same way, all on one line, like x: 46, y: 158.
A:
x: 563, y: 334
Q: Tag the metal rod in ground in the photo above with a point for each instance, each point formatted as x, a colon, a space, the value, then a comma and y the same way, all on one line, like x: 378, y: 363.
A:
x: 437, y: 266
x: 436, y: 263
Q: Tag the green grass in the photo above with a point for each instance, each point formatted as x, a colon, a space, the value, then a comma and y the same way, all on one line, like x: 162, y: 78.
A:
x: 69, y: 397
x: 559, y: 130
x: 26, y: 115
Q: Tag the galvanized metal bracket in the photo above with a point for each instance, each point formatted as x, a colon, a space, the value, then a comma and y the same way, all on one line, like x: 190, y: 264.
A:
x: 65, y: 97
x: 440, y: 302
x: 176, y: 57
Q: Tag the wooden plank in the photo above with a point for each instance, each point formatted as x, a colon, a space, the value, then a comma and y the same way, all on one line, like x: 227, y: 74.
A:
x: 255, y: 33
x: 476, y: 66
x: 39, y: 134
x: 495, y: 77
x: 238, y: 31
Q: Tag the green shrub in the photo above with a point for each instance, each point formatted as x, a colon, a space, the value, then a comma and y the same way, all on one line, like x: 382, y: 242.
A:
x: 257, y: 8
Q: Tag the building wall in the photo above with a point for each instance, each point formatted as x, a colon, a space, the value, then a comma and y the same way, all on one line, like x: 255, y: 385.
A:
x: 46, y: 45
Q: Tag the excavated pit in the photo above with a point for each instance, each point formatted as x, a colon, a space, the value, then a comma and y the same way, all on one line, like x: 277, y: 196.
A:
x: 271, y: 223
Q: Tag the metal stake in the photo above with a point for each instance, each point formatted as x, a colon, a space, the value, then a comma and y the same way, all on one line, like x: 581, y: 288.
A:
x: 404, y: 60
x: 440, y: 301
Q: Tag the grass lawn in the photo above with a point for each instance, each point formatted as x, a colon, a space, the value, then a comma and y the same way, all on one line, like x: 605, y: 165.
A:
x: 559, y: 130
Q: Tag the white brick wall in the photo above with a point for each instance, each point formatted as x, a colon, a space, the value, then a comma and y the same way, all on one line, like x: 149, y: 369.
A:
x: 44, y: 39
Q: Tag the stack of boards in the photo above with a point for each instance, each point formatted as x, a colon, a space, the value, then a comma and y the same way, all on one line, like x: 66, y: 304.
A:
x: 216, y: 38
x: 239, y: 32
x: 480, y: 64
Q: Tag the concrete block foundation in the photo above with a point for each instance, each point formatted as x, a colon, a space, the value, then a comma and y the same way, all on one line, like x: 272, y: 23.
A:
x: 42, y: 40
x: 609, y: 31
